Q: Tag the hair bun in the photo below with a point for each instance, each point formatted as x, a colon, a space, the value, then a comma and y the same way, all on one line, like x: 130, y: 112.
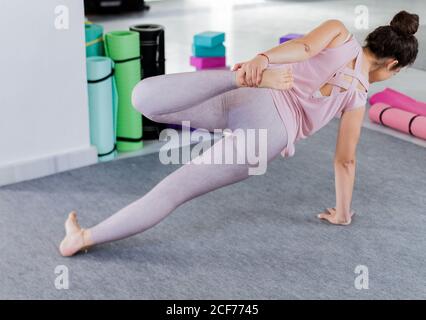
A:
x: 405, y: 23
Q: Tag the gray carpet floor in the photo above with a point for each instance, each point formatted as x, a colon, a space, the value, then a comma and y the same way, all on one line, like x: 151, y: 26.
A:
x: 257, y: 239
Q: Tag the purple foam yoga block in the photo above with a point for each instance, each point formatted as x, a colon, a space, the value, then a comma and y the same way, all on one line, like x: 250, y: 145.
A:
x: 207, y: 62
x: 290, y: 36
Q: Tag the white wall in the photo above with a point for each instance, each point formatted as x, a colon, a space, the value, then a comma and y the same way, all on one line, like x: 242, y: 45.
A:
x: 44, y: 119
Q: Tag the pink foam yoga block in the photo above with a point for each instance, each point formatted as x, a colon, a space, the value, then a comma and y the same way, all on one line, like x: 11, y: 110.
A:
x: 399, y: 100
x: 216, y: 68
x: 207, y: 62
x: 398, y: 119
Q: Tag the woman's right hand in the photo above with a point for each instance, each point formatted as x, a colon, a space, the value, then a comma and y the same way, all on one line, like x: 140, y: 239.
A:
x: 252, y: 70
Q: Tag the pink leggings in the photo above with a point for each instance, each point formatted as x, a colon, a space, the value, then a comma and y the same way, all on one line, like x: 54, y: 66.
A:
x: 209, y: 99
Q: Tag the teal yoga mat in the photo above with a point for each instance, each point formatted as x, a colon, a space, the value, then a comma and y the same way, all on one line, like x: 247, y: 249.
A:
x: 103, y: 105
x: 124, y: 49
x: 94, y: 40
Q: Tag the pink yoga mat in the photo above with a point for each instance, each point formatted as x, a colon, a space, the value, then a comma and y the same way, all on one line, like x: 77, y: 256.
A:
x: 398, y: 119
x: 399, y: 100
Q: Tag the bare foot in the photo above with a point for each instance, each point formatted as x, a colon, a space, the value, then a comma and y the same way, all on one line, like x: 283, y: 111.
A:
x: 331, y: 217
x: 76, y: 238
x: 277, y: 78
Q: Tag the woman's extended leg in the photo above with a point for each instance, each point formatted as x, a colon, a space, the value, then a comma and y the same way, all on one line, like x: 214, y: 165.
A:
x: 244, y: 108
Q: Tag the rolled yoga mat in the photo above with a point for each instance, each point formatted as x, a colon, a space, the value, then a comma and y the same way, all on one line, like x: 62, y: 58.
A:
x: 401, y: 120
x: 151, y: 39
x: 94, y: 40
x: 123, y: 48
x: 399, y: 100
x: 102, y: 106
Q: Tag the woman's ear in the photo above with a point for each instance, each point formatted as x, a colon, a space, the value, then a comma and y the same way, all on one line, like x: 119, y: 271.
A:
x: 391, y: 64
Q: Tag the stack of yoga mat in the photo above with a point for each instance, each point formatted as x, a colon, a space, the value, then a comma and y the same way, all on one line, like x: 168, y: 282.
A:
x: 290, y: 36
x: 208, y: 51
x: 115, y: 125
x: 116, y: 63
x: 395, y: 110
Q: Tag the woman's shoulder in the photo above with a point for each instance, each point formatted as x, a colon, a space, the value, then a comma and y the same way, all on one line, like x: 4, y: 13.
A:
x: 342, y: 54
x: 342, y: 37
x: 350, y: 44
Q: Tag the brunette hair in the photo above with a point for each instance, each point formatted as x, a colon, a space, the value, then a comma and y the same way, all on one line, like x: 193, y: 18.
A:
x: 396, y: 40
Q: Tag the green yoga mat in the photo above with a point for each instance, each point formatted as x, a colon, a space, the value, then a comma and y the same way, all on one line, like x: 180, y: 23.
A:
x: 124, y: 49
x: 94, y: 40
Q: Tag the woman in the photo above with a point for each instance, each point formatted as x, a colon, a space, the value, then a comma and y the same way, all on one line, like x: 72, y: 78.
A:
x: 292, y: 90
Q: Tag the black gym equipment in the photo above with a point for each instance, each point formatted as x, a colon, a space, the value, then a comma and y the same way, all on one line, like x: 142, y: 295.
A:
x: 113, y: 6
x: 151, y: 37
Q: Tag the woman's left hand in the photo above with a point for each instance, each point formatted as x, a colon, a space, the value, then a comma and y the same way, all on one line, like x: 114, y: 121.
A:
x: 331, y: 216
x: 238, y: 66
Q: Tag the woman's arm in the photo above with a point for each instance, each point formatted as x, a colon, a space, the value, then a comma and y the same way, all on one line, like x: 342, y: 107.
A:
x: 345, y: 160
x: 309, y: 45
x: 344, y: 165
x: 327, y: 34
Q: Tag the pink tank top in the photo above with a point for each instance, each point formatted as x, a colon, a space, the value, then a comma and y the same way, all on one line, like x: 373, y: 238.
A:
x: 301, y: 109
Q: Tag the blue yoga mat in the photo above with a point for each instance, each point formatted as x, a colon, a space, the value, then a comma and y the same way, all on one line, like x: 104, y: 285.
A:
x: 103, y: 104
x: 94, y: 40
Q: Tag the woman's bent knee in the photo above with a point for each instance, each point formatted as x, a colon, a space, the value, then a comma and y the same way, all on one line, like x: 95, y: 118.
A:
x: 143, y: 97
x: 137, y: 93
